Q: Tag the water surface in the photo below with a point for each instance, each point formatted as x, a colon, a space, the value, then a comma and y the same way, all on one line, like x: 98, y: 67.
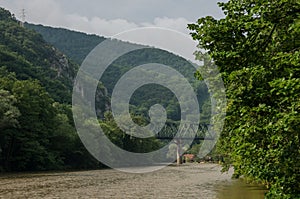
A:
x: 187, y: 181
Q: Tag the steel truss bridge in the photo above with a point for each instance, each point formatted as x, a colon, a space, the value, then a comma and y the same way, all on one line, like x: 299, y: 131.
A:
x: 184, y: 132
x: 187, y: 131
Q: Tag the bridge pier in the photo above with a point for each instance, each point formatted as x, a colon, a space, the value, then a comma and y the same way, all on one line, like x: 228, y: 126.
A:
x: 188, y: 132
x: 179, y: 157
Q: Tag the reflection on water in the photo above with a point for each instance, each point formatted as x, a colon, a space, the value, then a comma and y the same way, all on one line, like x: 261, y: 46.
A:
x: 238, y: 189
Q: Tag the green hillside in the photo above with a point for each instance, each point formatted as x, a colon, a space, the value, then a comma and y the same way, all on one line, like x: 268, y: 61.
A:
x: 75, y: 45
x: 78, y: 45
x: 29, y: 56
x: 36, y: 124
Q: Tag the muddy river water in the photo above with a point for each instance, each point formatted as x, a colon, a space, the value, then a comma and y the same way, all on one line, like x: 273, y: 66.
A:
x: 186, y: 181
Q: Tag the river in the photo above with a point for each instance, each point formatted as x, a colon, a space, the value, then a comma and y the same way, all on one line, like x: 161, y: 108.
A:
x: 202, y: 181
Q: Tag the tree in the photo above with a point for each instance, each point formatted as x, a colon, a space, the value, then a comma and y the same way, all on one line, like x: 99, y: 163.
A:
x: 9, y: 113
x: 28, y: 123
x: 256, y: 47
x: 125, y: 140
x: 37, y: 131
x: 30, y: 143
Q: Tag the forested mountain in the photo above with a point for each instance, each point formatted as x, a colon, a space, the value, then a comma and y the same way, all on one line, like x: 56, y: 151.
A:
x: 78, y: 45
x: 75, y: 45
x: 29, y: 56
x: 36, y: 124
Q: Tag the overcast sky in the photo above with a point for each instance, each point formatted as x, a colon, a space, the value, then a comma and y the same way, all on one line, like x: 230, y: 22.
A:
x: 110, y: 17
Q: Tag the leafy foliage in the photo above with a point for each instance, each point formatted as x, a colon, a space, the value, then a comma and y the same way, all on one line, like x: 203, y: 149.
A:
x: 78, y: 45
x: 36, y: 123
x: 36, y: 129
x: 75, y: 45
x: 27, y: 54
x: 256, y: 47
x: 126, y: 141
x: 8, y: 111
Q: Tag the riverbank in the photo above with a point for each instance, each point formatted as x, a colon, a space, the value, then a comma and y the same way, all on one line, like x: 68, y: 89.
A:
x: 186, y: 181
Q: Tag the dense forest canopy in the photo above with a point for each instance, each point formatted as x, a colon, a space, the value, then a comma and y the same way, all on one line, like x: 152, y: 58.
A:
x: 75, y: 45
x: 36, y: 124
x: 78, y: 45
x: 256, y: 47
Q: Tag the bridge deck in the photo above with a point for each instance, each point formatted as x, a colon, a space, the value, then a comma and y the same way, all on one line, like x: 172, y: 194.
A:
x: 186, y: 132
x: 196, y: 139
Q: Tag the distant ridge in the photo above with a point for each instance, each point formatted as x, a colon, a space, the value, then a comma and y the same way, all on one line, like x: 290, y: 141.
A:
x: 76, y: 45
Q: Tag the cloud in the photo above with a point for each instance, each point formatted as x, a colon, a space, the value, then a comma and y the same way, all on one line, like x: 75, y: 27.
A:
x: 112, y: 27
x: 163, y: 38
x: 140, y: 11
x: 104, y: 27
x: 51, y: 12
x: 178, y: 24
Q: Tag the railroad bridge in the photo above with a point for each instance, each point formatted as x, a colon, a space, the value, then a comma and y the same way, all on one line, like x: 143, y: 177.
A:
x: 185, y: 132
